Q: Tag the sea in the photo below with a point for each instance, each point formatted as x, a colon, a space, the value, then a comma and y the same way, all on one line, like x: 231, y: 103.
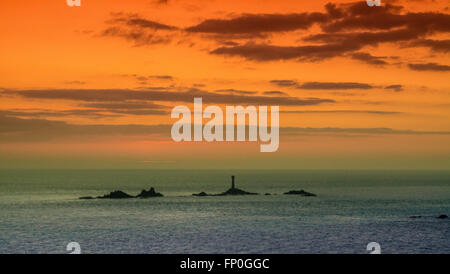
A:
x: 40, y: 211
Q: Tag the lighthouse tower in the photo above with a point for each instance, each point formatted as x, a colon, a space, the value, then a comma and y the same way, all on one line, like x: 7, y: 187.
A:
x: 232, y: 182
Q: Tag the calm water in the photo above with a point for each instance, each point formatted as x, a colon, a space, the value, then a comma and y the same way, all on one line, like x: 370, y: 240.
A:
x: 40, y: 212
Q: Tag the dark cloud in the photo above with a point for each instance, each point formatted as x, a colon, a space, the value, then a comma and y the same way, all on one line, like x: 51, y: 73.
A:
x: 284, y: 83
x: 381, y: 25
x: 163, y: 94
x: 345, y: 29
x: 264, y: 52
x: 161, y: 77
x: 74, y: 82
x: 334, y: 85
x: 235, y: 91
x: 377, y: 112
x: 368, y: 58
x: 142, y: 79
x: 130, y: 108
x: 360, y: 16
x: 429, y: 67
x: 198, y: 85
x: 135, y: 20
x: 337, y: 18
x: 228, y: 43
x: 362, y: 39
x: 394, y: 87
x: 434, y: 45
x: 37, y: 113
x: 148, y: 112
x: 139, y: 30
x: 322, y: 85
x: 259, y: 23
x: 139, y: 38
x: 331, y: 45
x: 124, y: 105
x: 376, y: 131
x: 334, y: 12
x: 275, y: 92
x: 94, y: 111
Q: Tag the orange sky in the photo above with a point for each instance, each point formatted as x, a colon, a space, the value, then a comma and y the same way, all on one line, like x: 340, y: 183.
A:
x: 233, y: 48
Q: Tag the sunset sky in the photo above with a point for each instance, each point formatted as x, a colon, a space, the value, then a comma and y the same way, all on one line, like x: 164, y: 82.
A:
x: 93, y: 86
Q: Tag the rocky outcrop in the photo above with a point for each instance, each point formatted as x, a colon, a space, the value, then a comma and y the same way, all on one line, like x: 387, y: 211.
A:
x: 442, y: 216
x: 236, y: 191
x: 118, y: 194
x: 231, y: 191
x: 201, y: 194
x: 300, y: 192
x: 149, y: 194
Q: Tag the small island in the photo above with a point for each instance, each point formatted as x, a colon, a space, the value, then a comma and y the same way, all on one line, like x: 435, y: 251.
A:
x: 148, y: 194
x: 300, y: 192
x: 231, y: 191
x: 442, y: 216
x: 201, y: 194
x: 118, y: 194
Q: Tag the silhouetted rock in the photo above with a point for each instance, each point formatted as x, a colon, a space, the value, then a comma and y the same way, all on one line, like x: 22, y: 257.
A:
x: 415, y: 217
x: 231, y: 191
x: 236, y: 191
x: 300, y: 192
x: 86, y: 198
x: 148, y: 194
x: 201, y: 194
x: 116, y: 195
x: 267, y: 194
x: 443, y: 216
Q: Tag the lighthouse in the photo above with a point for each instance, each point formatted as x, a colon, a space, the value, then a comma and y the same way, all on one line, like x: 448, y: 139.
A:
x: 232, y: 181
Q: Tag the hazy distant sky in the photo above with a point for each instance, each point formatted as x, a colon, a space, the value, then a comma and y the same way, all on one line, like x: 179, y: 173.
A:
x: 93, y: 86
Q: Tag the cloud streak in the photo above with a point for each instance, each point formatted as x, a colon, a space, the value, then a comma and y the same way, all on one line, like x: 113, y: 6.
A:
x: 333, y: 86
x: 163, y: 95
x: 394, y: 87
x: 429, y: 67
x: 14, y: 130
x: 265, y: 52
x: 369, y: 58
x: 330, y: 85
x: 377, y: 112
x: 256, y: 24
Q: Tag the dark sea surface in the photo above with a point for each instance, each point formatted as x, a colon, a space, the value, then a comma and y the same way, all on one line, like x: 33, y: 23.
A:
x: 40, y: 212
